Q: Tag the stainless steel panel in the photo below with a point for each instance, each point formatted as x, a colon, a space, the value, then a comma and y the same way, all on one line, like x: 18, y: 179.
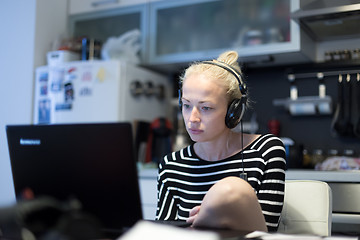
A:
x: 346, y: 197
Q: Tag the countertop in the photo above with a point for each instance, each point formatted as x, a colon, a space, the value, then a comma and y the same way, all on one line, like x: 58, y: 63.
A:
x: 351, y: 176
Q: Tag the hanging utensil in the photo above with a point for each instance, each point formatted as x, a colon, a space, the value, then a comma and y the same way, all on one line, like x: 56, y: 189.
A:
x: 339, y: 122
x: 348, y: 107
x: 356, y: 118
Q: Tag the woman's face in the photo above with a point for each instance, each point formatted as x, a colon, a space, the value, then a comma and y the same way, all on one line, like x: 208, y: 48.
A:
x: 204, y: 108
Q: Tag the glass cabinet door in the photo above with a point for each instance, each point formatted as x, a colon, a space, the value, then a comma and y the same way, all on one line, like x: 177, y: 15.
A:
x: 104, y: 24
x: 184, y: 30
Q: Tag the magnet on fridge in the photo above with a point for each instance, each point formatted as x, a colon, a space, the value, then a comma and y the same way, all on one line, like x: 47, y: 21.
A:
x: 56, y: 77
x: 86, y: 76
x: 85, y: 91
x: 63, y: 106
x: 44, y: 76
x: 43, y: 82
x: 43, y: 89
x: 69, y: 92
x: 44, y: 111
x: 100, y: 76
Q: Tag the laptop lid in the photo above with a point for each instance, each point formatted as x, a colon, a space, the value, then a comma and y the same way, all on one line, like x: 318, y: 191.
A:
x: 91, y: 162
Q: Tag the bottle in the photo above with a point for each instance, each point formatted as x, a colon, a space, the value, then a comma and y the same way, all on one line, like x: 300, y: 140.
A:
x: 306, y: 159
x: 317, y: 158
x: 332, y: 153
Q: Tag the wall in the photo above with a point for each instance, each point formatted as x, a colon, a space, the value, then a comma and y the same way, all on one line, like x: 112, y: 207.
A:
x: 314, y: 132
x: 27, y: 29
x: 16, y: 63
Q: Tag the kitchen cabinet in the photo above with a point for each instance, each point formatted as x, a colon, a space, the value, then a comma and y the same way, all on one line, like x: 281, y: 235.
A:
x: 333, y: 25
x: 181, y: 31
x: 111, y: 22
x: 261, y: 31
x: 148, y: 192
x: 86, y: 6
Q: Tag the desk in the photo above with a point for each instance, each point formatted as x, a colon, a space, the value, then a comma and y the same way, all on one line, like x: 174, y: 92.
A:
x: 164, y: 231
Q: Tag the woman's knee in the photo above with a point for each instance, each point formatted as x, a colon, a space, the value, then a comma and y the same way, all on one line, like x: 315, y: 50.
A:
x: 233, y: 188
x: 231, y: 203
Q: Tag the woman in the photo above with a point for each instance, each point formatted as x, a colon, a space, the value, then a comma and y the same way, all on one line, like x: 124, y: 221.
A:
x: 225, y: 179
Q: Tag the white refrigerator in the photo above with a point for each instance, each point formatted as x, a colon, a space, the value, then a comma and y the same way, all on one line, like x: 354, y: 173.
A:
x: 99, y: 91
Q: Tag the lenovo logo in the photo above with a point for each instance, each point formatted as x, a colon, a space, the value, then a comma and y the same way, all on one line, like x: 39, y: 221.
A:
x: 30, y: 141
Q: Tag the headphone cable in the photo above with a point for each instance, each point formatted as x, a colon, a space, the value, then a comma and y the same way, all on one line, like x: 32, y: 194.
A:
x: 243, y: 175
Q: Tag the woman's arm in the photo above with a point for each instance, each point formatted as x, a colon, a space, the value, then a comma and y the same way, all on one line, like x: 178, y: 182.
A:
x: 271, y: 190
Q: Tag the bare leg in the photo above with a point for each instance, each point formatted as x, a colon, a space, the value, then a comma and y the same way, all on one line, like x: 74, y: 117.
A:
x: 232, y: 204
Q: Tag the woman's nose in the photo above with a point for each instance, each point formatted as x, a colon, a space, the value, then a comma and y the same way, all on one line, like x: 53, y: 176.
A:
x: 194, y: 115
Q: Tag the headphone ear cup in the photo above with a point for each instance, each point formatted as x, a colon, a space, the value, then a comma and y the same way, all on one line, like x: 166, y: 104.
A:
x: 235, y: 112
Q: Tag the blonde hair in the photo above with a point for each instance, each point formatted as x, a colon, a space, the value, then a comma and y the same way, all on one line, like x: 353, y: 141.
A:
x: 216, y: 73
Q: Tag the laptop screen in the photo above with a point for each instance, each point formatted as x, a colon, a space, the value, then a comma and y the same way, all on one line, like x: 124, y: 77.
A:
x: 91, y: 162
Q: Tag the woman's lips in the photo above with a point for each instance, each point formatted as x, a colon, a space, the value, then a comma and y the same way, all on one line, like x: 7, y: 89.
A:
x: 195, y: 131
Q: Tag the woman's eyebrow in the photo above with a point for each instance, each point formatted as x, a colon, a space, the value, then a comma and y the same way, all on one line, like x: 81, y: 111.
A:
x: 200, y: 102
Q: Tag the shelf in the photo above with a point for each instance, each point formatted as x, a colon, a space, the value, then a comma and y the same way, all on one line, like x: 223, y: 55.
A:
x: 308, y: 105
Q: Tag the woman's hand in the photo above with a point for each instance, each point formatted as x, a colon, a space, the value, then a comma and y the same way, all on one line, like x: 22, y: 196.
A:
x: 193, y: 214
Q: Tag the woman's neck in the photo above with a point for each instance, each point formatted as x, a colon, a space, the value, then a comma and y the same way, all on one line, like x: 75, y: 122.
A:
x: 221, y: 148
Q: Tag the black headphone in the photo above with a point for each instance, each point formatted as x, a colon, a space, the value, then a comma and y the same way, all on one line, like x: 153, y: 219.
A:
x: 237, y: 107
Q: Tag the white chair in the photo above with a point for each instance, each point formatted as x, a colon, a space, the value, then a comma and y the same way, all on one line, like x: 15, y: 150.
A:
x: 307, y: 208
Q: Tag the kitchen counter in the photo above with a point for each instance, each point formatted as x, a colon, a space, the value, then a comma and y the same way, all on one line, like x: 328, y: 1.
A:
x: 148, y: 191
x: 148, y: 173
x: 326, y: 176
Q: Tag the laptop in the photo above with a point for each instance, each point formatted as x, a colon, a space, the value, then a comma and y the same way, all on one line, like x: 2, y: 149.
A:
x: 93, y: 163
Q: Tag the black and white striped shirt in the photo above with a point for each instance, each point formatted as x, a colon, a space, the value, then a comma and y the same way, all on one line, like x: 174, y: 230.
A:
x: 184, y: 178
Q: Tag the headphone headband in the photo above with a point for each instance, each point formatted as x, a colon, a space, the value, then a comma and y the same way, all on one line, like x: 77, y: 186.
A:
x: 233, y: 71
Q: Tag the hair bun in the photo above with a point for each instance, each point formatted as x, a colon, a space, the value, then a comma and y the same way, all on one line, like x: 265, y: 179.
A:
x: 229, y: 57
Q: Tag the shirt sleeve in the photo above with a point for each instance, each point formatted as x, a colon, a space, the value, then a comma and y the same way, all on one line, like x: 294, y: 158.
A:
x: 271, y: 191
x: 166, y: 205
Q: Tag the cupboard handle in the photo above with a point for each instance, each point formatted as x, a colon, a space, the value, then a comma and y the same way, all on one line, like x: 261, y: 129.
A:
x: 103, y: 2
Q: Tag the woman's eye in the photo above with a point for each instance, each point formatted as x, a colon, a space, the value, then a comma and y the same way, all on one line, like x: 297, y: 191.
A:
x: 206, y: 108
x: 186, y: 105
